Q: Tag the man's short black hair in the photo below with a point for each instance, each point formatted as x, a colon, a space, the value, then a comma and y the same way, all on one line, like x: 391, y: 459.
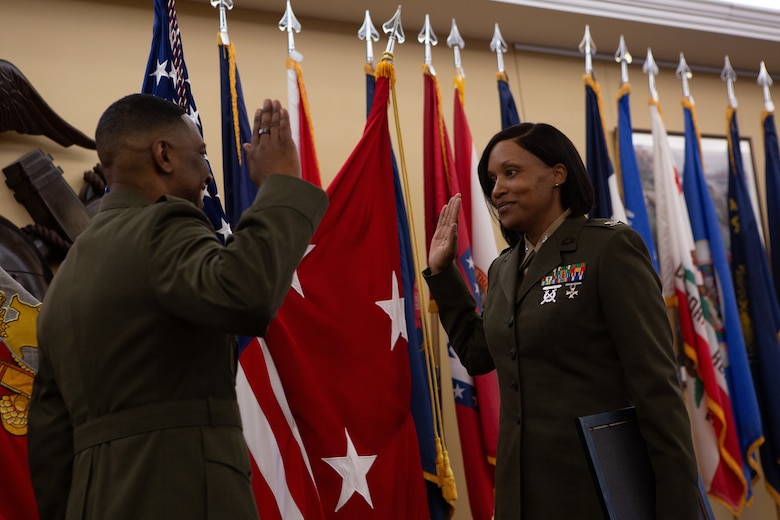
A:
x: 130, y: 116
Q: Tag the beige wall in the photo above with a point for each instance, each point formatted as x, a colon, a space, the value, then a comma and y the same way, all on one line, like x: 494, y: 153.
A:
x: 82, y: 55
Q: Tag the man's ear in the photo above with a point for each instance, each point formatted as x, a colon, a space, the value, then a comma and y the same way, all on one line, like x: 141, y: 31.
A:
x: 161, y: 153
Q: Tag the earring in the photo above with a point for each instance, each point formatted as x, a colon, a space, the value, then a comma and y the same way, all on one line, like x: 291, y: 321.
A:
x: 556, y: 184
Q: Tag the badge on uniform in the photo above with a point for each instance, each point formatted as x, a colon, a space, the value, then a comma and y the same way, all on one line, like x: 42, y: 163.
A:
x: 569, y: 276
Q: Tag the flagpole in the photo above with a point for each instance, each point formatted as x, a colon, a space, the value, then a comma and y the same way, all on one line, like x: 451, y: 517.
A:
x: 223, y: 6
x: 588, y: 48
x: 456, y: 43
x: 729, y: 76
x: 498, y: 45
x: 651, y: 69
x: 509, y: 115
x: 684, y: 73
x: 290, y: 24
x: 368, y: 33
x: 428, y: 38
x: 623, y: 57
x: 765, y: 81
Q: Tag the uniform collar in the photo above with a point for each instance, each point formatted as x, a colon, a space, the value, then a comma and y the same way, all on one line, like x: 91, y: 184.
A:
x: 547, y: 233
x: 563, y: 239
x: 124, y: 199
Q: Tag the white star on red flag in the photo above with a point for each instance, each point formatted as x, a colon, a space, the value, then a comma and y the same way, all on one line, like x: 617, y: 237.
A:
x: 394, y: 308
x: 353, y: 469
x: 296, y: 282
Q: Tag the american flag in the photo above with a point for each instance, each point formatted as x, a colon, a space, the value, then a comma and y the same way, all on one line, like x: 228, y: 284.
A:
x: 166, y: 77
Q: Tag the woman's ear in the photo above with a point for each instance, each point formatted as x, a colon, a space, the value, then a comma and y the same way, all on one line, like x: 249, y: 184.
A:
x: 560, y: 172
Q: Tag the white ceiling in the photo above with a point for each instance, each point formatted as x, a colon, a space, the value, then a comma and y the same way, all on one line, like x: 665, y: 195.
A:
x: 555, y: 28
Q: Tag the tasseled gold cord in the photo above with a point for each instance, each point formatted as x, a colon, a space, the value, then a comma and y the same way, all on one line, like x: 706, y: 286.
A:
x: 445, y: 473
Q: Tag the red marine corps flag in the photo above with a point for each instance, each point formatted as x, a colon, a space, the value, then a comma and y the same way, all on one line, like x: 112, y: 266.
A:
x: 340, y: 342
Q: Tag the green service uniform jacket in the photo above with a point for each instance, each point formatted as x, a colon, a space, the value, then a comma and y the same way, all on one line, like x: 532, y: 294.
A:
x: 585, y: 331
x: 133, y: 412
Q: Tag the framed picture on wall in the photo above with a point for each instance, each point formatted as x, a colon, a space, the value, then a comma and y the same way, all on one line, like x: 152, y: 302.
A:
x: 715, y: 161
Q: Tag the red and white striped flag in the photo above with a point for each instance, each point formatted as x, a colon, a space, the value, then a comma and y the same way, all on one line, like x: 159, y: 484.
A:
x: 282, y: 478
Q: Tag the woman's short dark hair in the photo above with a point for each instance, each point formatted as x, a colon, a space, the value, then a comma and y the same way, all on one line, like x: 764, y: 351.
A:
x: 552, y: 147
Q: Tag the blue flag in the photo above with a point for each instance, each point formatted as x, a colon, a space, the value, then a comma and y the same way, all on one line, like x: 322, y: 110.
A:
x: 240, y: 191
x: 761, y: 313
x: 719, y: 289
x: 422, y: 409
x: 166, y: 77
x: 772, y: 175
x: 509, y: 116
x: 607, y: 203
x: 745, y: 243
x: 636, y: 210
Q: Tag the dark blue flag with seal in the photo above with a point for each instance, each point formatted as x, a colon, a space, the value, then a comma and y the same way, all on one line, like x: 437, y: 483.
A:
x: 772, y: 175
x: 759, y: 310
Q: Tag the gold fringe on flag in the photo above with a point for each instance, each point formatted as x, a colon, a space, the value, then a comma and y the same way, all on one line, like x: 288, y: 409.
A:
x: 231, y: 54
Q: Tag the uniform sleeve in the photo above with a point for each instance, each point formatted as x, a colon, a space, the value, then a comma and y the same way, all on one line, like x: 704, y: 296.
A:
x: 49, y: 443
x: 460, y: 320
x: 239, y: 286
x: 639, y: 325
